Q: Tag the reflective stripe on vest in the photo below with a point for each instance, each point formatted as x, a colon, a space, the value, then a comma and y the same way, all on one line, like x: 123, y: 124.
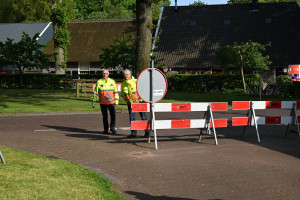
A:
x: 106, y: 97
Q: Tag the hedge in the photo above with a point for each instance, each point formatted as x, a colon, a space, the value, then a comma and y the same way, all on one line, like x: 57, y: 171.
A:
x: 36, y: 81
x: 209, y: 82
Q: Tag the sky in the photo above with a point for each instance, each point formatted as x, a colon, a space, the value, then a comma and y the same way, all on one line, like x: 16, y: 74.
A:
x: 187, y: 2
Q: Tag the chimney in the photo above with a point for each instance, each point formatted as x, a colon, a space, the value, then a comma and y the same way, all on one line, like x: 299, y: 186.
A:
x: 254, y: 6
x: 175, y: 4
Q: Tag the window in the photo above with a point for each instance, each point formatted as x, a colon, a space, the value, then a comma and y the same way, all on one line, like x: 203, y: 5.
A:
x: 226, y: 21
x: 84, y: 68
x: 268, y: 21
x: 193, y: 23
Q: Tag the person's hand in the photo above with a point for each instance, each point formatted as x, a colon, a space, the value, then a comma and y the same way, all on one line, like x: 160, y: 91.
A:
x: 117, y: 105
x: 93, y: 106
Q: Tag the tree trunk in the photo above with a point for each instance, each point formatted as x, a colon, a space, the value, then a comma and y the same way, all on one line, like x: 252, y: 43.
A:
x: 59, y: 59
x: 59, y: 51
x: 144, y: 35
x: 243, y: 79
x: 21, y: 77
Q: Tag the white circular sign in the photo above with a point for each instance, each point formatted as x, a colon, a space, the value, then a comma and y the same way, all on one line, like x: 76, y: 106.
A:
x: 160, y: 85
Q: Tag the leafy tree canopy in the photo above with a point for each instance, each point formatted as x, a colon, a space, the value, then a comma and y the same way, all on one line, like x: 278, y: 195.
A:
x: 15, y: 11
x: 25, y: 54
x: 197, y: 3
x: 244, y: 56
x: 121, y: 55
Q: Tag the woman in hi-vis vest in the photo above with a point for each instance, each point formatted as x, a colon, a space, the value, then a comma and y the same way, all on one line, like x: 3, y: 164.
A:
x: 106, y: 91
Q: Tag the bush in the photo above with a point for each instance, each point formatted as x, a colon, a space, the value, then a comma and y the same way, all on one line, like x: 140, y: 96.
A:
x: 209, y: 82
x: 36, y: 81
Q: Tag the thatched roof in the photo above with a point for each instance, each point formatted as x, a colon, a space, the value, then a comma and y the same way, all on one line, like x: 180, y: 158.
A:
x: 89, y: 37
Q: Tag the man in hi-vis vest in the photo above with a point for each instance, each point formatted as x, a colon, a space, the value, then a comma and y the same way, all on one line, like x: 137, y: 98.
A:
x: 106, y: 89
x: 130, y: 95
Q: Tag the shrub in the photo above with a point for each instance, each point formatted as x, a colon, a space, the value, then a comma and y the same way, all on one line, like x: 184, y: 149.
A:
x: 210, y: 82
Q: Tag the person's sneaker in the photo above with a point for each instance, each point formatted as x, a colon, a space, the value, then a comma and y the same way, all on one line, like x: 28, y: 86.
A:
x: 105, y: 132
x: 114, y: 132
x: 132, y: 136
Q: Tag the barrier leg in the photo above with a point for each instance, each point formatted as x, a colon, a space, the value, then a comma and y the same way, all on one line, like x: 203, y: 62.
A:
x: 249, y: 123
x: 199, y: 140
x: 294, y: 121
x: 254, y: 119
x: 2, y: 158
x: 213, y: 125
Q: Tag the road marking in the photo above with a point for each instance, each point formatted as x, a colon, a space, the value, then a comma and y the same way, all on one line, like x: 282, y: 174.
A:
x: 124, y: 128
x: 45, y: 130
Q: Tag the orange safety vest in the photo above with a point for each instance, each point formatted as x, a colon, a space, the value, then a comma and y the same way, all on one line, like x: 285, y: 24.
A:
x: 107, y: 92
x: 106, y: 96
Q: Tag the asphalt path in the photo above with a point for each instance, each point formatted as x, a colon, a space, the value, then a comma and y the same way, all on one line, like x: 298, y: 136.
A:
x: 181, y: 168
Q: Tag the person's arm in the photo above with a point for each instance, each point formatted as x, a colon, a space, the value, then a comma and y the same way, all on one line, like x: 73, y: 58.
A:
x: 116, y: 94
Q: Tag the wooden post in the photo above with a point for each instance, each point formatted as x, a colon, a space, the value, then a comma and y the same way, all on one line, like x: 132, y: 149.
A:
x: 77, y: 89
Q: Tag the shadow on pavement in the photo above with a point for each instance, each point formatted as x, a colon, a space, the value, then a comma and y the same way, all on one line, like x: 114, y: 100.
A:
x: 271, y: 137
x: 143, y: 196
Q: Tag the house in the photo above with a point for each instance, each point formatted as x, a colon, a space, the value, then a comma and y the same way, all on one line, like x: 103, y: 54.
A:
x: 191, y: 35
x: 88, y: 37
x: 15, y: 31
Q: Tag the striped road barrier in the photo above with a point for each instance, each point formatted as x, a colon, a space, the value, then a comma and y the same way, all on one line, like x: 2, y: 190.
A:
x: 254, y: 120
x: 208, y: 122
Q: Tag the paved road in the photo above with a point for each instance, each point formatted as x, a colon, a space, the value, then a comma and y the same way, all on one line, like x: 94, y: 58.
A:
x: 181, y: 168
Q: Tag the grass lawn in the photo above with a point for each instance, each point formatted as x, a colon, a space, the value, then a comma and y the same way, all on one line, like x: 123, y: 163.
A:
x: 41, y: 100
x: 29, y: 176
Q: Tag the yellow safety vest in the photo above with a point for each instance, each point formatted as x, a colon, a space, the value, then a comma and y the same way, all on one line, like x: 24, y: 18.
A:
x: 129, y: 90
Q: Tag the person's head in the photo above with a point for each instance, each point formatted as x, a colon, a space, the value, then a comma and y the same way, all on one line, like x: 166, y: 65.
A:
x: 127, y: 74
x: 105, y: 73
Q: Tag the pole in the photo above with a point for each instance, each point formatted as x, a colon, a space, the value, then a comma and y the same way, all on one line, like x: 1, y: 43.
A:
x: 152, y: 105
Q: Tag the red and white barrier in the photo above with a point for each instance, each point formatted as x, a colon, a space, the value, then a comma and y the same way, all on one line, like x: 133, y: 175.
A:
x: 261, y: 105
x: 179, y: 107
x: 251, y: 119
x: 174, y: 124
x: 208, y: 122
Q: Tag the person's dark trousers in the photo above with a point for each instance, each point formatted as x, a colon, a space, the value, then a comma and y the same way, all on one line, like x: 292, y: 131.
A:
x: 112, y: 112
x: 132, y: 118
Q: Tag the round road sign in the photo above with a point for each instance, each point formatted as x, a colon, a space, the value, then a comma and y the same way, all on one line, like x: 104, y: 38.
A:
x: 160, y: 85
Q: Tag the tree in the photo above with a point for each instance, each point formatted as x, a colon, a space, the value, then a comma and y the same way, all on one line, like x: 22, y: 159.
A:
x: 121, y: 54
x: 197, y: 3
x: 244, y: 56
x: 16, y: 11
x: 25, y: 54
x: 144, y: 34
x: 61, y: 38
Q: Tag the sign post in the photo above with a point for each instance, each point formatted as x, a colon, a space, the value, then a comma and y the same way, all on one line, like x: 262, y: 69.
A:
x: 151, y: 88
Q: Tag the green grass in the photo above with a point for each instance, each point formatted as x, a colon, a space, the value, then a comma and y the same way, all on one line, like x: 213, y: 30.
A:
x: 29, y: 176
x: 40, y: 100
